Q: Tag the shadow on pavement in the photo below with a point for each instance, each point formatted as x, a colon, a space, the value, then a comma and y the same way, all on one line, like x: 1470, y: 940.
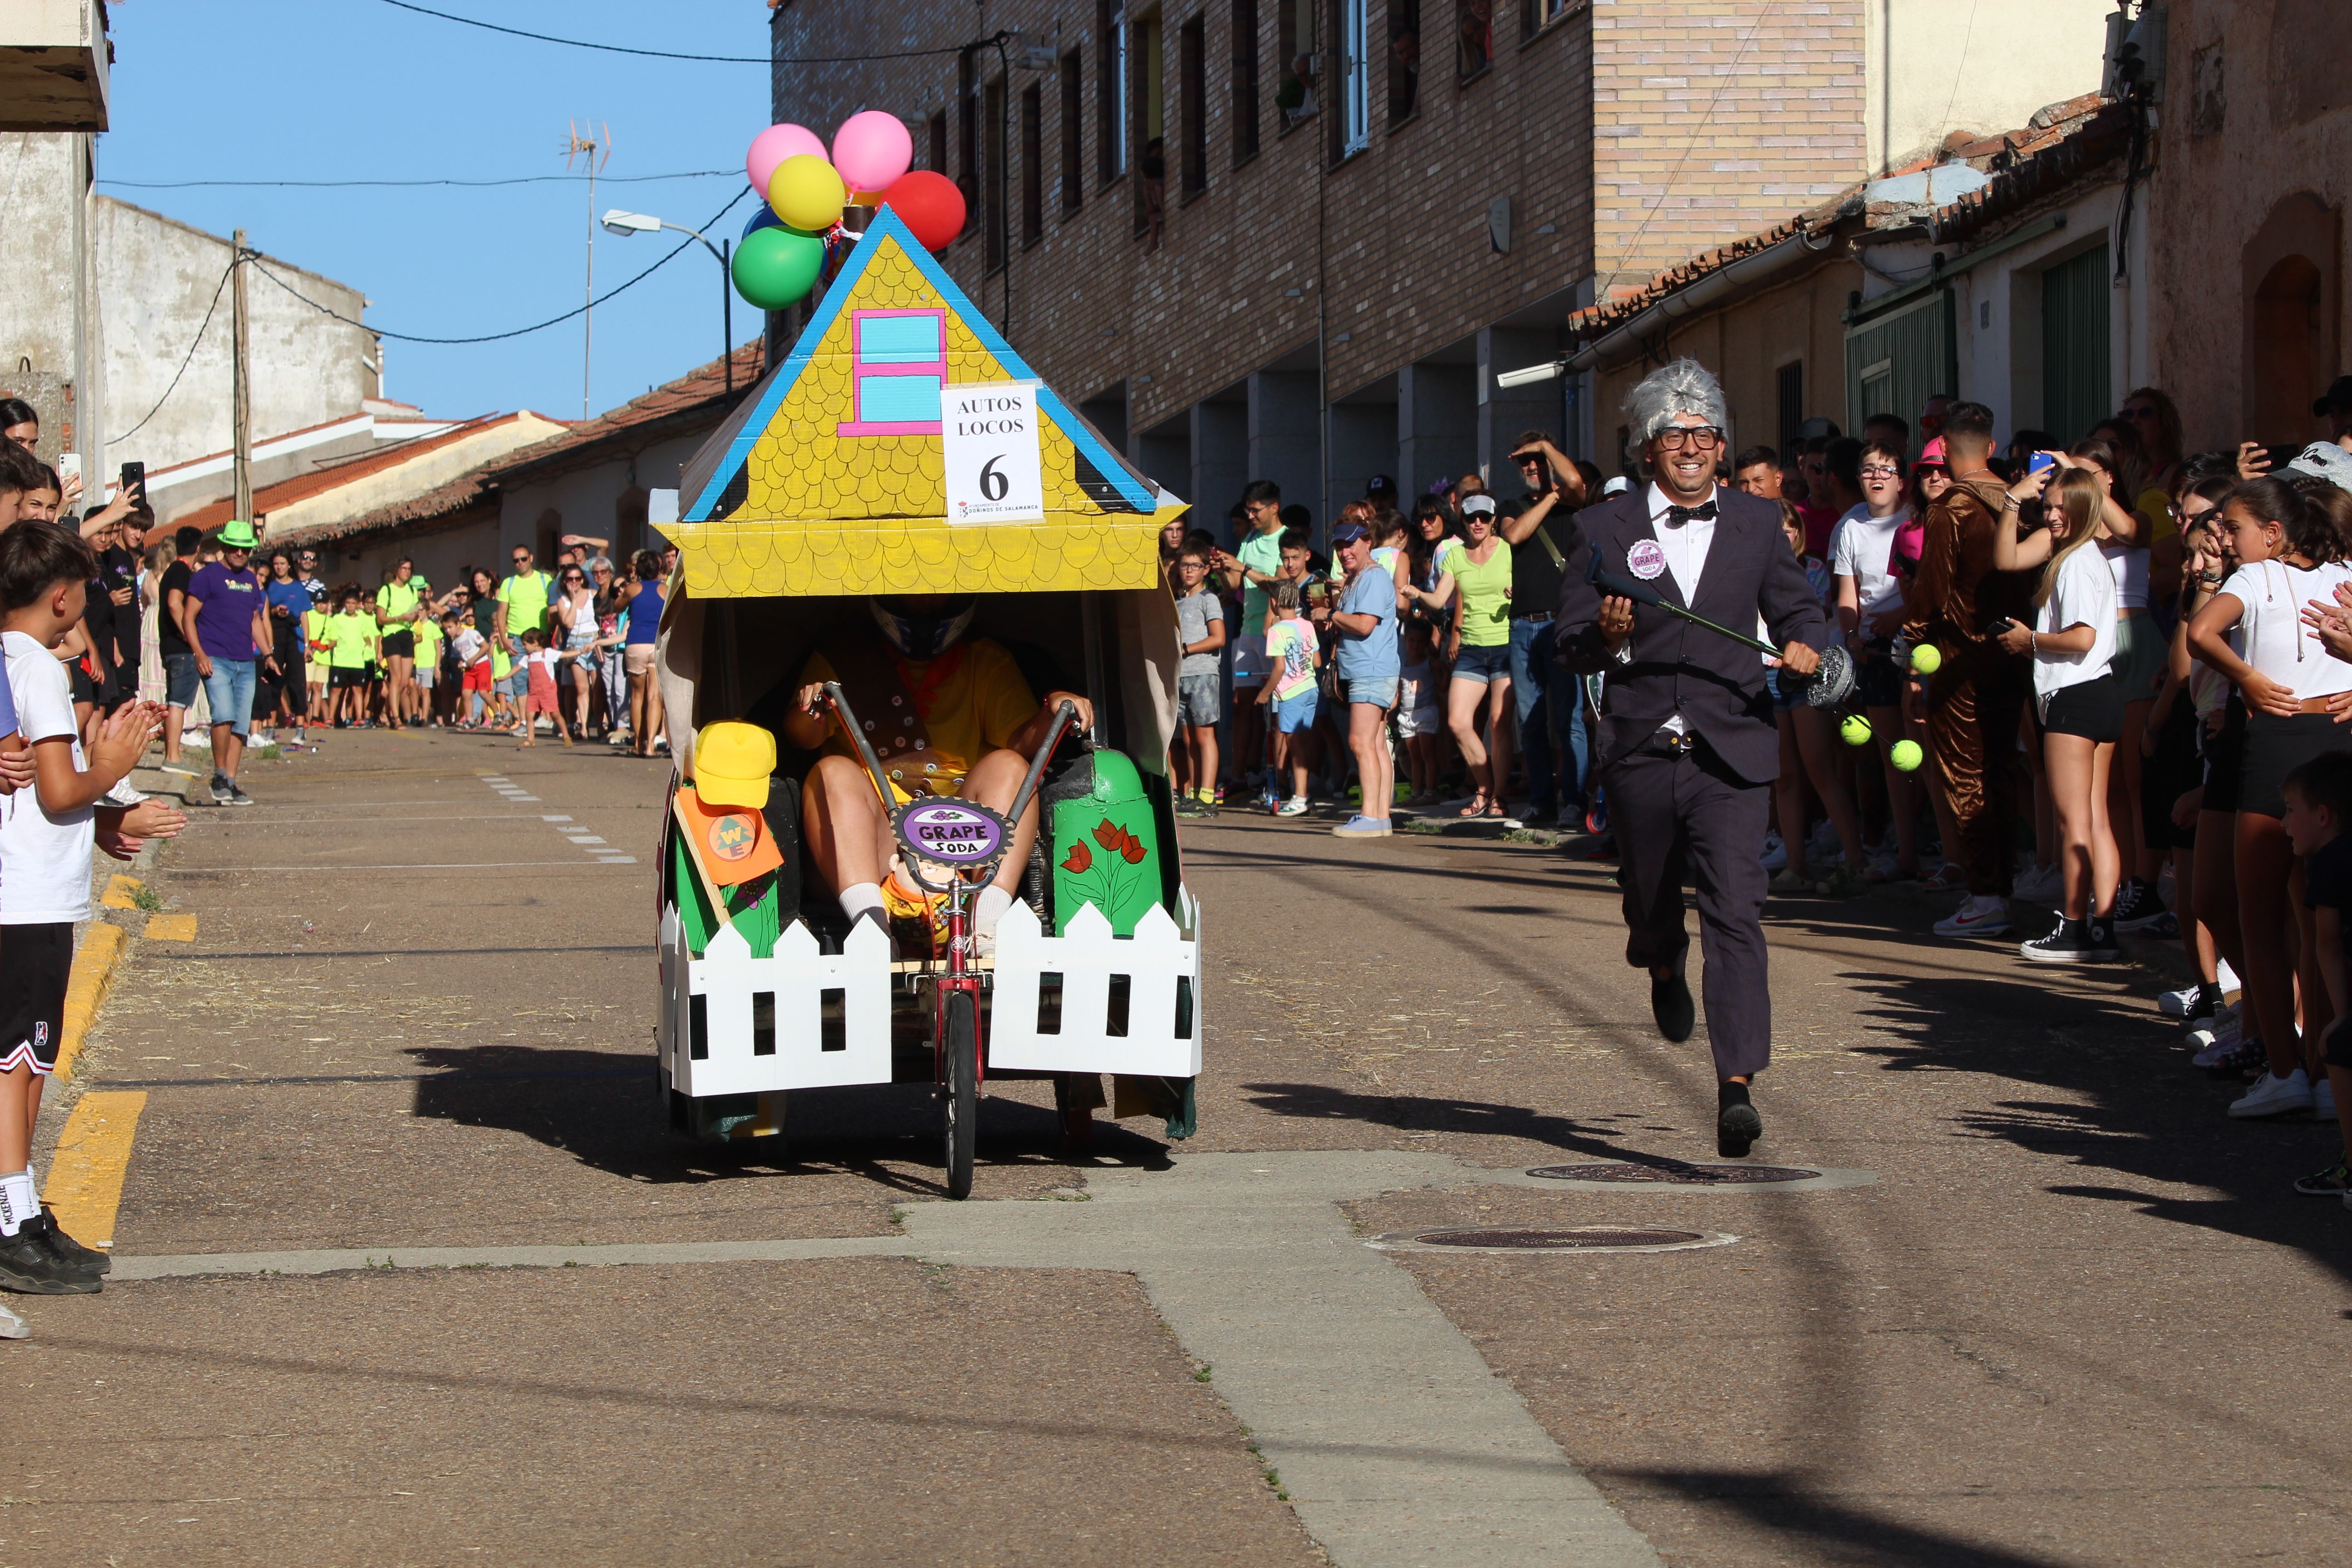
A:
x: 1777, y: 1502
x: 1477, y: 1117
x: 608, y: 1111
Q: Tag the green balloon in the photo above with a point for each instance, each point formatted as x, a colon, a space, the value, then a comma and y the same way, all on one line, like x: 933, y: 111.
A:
x: 775, y: 268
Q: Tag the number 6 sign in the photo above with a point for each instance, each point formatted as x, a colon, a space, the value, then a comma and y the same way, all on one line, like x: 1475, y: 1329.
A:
x: 994, y: 472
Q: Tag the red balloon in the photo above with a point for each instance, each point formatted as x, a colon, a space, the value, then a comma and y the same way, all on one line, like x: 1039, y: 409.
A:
x: 929, y: 204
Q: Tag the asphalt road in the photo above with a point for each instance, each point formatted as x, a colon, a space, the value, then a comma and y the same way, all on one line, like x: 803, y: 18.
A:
x: 2057, y: 1309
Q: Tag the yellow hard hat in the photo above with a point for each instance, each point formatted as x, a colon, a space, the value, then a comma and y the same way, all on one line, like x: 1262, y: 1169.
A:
x: 732, y: 764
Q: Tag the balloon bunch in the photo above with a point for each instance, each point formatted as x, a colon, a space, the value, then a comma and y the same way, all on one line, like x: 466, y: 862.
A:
x: 782, y: 252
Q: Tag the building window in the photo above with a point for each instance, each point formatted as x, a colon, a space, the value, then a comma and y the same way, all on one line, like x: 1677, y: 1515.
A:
x: 1404, y: 60
x: 1296, y: 32
x: 1111, y: 92
x: 1193, y: 106
x: 2077, y: 298
x: 937, y: 143
x: 1355, y: 128
x: 993, y: 216
x: 1150, y: 118
x: 1542, y: 13
x: 1032, y: 161
x: 1073, y: 177
x: 1474, y: 37
x: 1788, y: 387
x: 898, y: 360
x: 1245, y: 115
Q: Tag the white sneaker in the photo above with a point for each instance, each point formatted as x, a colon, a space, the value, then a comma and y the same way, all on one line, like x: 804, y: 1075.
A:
x: 2323, y: 1100
x: 1776, y: 853
x: 1985, y: 915
x: 13, y: 1327
x: 2042, y: 885
x: 2219, y: 1048
x: 2222, y: 1028
x: 2176, y: 1004
x: 2275, y: 1096
x: 123, y: 794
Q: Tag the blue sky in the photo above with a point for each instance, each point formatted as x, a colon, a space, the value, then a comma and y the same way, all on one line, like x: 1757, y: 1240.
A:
x: 333, y: 89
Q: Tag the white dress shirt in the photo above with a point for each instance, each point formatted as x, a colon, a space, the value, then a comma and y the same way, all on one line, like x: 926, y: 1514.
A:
x: 1686, y: 545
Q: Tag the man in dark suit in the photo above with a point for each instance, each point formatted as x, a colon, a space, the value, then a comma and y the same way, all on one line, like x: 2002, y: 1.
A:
x: 1688, y: 746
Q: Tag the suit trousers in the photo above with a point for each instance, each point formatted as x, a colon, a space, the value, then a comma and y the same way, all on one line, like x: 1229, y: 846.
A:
x: 1974, y: 704
x: 1673, y: 813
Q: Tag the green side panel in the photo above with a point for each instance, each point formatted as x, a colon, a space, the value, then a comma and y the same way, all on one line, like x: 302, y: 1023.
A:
x: 1108, y: 847
x: 758, y: 921
x: 694, y: 913
x: 2077, y: 298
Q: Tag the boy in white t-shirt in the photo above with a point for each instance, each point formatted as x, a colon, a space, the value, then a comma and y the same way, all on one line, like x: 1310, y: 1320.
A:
x: 47, y: 832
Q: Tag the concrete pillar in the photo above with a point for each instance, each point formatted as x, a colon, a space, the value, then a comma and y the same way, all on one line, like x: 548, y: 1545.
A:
x: 1286, y: 436
x: 1221, y: 462
x: 1164, y: 453
x: 1364, y: 439
x: 1437, y: 424
x: 1504, y: 411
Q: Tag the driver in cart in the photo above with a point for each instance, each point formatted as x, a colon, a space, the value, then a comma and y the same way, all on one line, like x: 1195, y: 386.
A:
x: 948, y: 715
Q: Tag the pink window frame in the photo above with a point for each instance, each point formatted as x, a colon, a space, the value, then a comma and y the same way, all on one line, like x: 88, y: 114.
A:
x: 858, y: 371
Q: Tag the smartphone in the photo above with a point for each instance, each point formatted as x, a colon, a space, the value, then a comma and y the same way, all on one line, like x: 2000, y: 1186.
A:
x: 2039, y: 461
x: 2001, y: 626
x: 68, y: 467
x: 136, y: 474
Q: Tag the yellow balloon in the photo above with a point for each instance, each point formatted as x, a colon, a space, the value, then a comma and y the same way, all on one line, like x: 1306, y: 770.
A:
x: 806, y: 192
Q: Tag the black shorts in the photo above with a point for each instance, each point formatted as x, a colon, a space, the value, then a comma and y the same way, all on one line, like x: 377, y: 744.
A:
x: 2223, y: 749
x: 346, y: 678
x: 85, y: 690
x: 400, y: 644
x: 2275, y: 747
x: 2091, y: 709
x: 36, y: 964
x: 1878, y: 680
x: 2172, y: 772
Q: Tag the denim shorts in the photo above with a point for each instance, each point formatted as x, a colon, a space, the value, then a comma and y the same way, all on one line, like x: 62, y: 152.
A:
x: 1483, y: 664
x: 1293, y: 714
x: 230, y: 690
x: 1197, y: 700
x: 1380, y: 691
x: 179, y: 679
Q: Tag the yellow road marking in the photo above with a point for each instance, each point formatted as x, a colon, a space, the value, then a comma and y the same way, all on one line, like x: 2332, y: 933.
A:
x: 93, y: 971
x: 122, y: 892
x: 85, y: 1173
x: 170, y: 928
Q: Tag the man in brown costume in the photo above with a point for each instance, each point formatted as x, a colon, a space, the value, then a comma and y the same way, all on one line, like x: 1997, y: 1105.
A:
x: 1976, y: 698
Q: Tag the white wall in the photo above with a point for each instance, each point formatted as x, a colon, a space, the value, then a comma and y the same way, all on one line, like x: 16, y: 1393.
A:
x: 1933, y: 68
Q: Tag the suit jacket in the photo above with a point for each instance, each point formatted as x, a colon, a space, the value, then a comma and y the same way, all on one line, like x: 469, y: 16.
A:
x: 1716, y: 684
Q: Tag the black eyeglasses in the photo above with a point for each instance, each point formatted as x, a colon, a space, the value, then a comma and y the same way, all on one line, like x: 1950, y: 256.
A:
x: 1704, y: 437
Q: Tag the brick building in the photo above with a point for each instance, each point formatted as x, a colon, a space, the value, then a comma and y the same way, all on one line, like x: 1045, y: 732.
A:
x: 1294, y: 240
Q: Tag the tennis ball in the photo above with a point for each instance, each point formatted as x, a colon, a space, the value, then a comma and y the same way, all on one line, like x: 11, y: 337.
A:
x: 1926, y: 660
x: 1906, y: 755
x: 1856, y: 730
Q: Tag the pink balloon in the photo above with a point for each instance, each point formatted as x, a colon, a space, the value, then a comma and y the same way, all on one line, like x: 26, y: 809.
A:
x: 871, y: 149
x: 772, y: 146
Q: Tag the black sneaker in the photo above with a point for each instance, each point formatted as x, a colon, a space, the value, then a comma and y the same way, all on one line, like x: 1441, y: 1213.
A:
x: 68, y: 1250
x: 2099, y: 932
x: 30, y: 1268
x: 223, y: 791
x: 2137, y: 907
x: 237, y: 796
x: 2068, y: 943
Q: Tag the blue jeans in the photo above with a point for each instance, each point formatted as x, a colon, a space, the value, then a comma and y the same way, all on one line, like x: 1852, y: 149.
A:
x: 228, y: 689
x: 1547, y: 729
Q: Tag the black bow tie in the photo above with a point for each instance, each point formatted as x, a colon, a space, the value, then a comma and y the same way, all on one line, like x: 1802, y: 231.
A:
x: 1676, y: 515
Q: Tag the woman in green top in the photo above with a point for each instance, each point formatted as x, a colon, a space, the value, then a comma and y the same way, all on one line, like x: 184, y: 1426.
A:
x: 1479, y: 644
x: 398, y: 607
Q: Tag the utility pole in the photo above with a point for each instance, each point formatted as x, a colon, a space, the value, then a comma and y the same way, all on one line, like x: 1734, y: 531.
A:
x: 595, y: 145
x: 241, y: 381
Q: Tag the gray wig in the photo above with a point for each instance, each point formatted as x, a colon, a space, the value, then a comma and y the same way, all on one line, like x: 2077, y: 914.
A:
x: 1683, y: 387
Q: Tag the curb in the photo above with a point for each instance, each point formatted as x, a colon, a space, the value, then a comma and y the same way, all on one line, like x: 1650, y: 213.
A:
x: 95, y: 961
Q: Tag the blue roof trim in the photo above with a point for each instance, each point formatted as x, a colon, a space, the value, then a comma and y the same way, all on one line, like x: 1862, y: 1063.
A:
x: 1138, y: 493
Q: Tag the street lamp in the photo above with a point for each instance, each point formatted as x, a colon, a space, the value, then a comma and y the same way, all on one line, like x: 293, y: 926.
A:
x: 625, y: 223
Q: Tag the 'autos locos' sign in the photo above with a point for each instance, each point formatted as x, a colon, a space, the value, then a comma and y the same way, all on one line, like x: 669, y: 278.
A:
x: 993, y: 468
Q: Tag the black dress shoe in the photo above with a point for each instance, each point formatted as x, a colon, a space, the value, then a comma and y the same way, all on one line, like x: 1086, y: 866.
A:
x: 1737, y: 1128
x: 1670, y: 1005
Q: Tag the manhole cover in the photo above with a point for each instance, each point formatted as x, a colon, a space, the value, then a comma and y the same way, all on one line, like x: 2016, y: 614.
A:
x: 1549, y: 1238
x: 1675, y: 1174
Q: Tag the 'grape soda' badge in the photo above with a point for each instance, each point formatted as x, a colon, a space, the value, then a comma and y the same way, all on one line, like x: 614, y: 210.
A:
x: 1645, y: 560
x: 951, y: 832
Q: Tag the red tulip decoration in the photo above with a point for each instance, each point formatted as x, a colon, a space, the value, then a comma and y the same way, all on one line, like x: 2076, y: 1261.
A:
x: 929, y: 204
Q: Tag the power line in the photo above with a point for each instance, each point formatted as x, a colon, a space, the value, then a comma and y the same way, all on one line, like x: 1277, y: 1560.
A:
x: 183, y: 363
x: 352, y: 184
x: 666, y: 54
x: 518, y: 331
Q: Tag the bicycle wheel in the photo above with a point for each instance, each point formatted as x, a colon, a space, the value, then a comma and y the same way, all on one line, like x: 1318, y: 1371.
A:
x: 961, y: 1100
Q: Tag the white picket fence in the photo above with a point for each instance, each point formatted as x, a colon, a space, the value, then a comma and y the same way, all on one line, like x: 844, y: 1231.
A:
x: 776, y: 1002
x: 1160, y: 962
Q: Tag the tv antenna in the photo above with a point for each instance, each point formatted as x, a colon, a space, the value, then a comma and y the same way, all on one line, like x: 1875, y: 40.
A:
x: 589, y: 143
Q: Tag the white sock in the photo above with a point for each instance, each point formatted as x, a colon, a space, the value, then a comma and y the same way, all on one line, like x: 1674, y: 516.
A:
x: 18, y: 1203
x: 861, y: 899
x: 989, y: 909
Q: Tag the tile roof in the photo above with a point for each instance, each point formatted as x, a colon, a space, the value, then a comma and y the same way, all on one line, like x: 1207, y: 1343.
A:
x: 302, y: 487
x: 1624, y: 304
x: 2085, y: 143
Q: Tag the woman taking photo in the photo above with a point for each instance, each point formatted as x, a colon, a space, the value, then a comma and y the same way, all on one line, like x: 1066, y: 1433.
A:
x: 2288, y: 554
x: 575, y: 627
x: 1479, y: 647
x: 2076, y: 697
